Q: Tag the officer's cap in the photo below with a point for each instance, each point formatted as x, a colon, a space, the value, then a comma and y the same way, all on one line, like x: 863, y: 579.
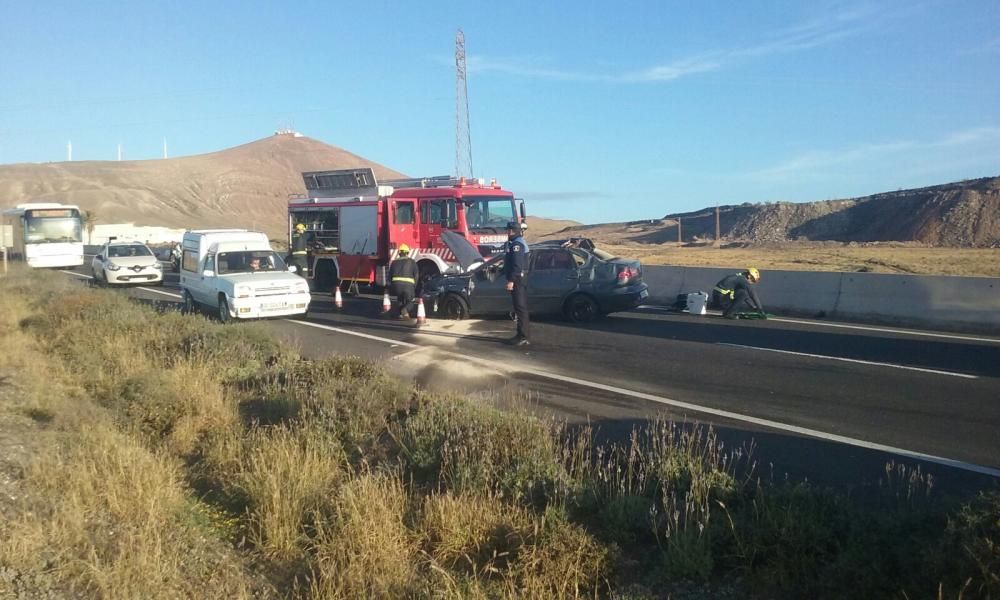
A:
x: 513, y: 226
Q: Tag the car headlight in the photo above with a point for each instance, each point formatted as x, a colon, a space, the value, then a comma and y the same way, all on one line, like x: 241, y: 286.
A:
x: 157, y: 266
x: 112, y: 267
x: 243, y: 291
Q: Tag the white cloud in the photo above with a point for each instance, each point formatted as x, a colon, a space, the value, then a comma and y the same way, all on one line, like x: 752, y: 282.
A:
x: 820, y: 32
x: 816, y: 162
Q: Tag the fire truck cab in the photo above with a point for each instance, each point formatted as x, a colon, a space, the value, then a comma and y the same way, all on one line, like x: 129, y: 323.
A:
x: 354, y: 224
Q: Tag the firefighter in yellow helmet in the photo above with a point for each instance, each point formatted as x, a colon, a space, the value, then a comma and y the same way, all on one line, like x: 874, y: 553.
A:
x: 403, y: 275
x: 735, y: 294
x: 299, y: 247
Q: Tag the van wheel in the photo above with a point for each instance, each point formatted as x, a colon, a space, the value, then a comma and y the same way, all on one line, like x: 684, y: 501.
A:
x: 224, y: 316
x: 581, y: 309
x: 188, y: 307
x: 453, y: 307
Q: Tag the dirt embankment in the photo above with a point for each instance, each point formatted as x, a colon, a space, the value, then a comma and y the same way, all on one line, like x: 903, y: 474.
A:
x: 245, y: 186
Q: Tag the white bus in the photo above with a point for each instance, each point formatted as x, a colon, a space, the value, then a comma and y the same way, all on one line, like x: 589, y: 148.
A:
x: 45, y: 234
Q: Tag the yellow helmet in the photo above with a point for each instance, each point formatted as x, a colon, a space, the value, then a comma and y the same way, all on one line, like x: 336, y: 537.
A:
x: 404, y: 249
x: 300, y: 227
x: 753, y: 274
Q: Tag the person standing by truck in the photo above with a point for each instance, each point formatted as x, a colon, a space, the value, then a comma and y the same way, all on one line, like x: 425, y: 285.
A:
x: 515, y: 268
x: 403, y: 275
x: 300, y: 249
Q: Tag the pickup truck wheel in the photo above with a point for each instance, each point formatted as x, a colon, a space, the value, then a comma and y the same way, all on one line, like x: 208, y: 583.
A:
x: 188, y: 307
x: 224, y: 316
x: 453, y: 307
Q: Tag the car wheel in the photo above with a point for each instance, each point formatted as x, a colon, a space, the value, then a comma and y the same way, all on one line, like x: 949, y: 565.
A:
x: 581, y: 309
x: 224, y: 316
x: 454, y: 307
x: 189, y: 307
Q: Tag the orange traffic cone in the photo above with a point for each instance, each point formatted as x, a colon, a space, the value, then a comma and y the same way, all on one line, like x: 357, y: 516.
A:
x: 386, y: 305
x: 338, y: 300
x: 421, y: 313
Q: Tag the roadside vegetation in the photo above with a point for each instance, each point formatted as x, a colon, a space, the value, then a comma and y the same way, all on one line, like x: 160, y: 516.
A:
x: 172, y: 456
x: 883, y: 257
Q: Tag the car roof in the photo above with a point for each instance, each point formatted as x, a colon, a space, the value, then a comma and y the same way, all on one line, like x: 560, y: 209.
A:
x: 126, y: 244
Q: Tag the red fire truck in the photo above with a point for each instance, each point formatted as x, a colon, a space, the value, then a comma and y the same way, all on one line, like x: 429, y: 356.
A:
x: 355, y: 224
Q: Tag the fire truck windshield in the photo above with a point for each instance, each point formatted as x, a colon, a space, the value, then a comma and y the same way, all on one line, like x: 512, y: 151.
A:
x: 488, y: 212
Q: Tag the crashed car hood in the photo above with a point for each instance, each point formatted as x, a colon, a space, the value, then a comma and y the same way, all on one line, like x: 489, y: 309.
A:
x: 468, y: 256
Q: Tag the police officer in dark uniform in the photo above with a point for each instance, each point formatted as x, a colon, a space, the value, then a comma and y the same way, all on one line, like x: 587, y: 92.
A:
x: 515, y: 269
x: 300, y: 249
x: 403, y: 275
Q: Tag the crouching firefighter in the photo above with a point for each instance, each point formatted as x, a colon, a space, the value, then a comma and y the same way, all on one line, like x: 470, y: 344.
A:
x: 300, y: 249
x: 734, y: 294
x: 403, y: 280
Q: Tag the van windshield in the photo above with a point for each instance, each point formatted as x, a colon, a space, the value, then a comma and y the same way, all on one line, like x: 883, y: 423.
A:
x: 249, y: 261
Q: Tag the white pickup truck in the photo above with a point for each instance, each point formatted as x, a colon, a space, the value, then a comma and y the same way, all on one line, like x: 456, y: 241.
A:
x: 236, y: 273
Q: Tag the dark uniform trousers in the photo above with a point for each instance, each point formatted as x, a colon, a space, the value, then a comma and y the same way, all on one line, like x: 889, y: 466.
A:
x: 403, y: 274
x: 519, y: 296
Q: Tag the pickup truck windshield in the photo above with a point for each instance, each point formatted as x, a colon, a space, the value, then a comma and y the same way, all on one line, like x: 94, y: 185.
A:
x: 250, y: 261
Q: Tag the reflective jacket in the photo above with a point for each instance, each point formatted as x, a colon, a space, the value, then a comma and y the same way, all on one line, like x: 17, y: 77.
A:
x: 403, y: 270
x: 737, y: 281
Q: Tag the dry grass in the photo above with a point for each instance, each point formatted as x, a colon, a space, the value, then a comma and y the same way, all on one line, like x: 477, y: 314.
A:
x: 367, y: 551
x: 967, y: 262
x: 189, y: 471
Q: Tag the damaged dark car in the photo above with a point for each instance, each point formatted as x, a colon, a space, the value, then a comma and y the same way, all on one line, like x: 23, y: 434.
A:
x: 568, y: 277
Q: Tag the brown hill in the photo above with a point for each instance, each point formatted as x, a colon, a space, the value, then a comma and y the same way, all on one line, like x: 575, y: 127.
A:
x: 963, y: 214
x: 245, y: 186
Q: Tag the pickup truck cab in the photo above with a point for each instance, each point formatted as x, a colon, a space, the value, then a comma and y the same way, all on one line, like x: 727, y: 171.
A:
x: 236, y: 274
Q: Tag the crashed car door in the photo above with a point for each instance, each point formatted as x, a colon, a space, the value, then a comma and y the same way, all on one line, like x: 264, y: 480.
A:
x: 490, y: 295
x: 554, y: 275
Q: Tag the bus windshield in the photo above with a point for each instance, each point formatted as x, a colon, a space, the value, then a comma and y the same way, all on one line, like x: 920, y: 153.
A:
x: 488, y: 212
x: 49, y: 229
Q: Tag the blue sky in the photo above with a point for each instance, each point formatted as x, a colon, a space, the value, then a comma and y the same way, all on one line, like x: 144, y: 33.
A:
x: 595, y: 111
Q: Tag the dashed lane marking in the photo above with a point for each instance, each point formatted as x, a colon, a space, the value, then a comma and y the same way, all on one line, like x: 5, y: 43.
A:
x: 852, y: 360
x: 947, y: 336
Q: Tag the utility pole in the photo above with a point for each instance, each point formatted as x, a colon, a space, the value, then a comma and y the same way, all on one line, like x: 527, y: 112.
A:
x: 717, y: 225
x: 463, y: 133
x: 680, y: 241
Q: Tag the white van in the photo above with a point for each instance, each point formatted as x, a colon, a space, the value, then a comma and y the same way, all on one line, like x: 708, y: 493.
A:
x: 235, y: 273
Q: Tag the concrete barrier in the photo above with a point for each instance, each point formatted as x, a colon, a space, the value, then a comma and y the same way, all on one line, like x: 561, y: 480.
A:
x: 941, y: 302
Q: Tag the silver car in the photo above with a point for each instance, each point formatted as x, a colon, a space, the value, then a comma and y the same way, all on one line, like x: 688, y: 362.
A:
x: 126, y: 262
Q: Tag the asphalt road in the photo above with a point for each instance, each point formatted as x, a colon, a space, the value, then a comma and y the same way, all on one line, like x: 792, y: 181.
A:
x: 823, y: 400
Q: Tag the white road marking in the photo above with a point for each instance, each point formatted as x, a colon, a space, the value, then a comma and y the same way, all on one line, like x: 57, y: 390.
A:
x: 948, y: 336
x: 354, y: 333
x: 852, y: 360
x: 171, y: 294
x: 75, y: 273
x: 814, y: 433
x: 949, y: 462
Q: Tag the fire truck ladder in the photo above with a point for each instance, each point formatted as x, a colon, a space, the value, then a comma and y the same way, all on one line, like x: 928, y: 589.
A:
x: 427, y: 182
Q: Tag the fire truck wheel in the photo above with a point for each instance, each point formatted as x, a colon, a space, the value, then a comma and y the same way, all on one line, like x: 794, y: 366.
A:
x: 454, y: 307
